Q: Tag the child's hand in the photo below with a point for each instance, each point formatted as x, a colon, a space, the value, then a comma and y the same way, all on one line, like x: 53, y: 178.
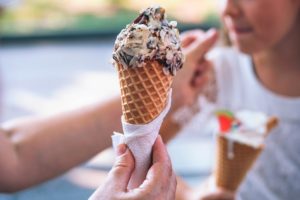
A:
x: 190, y: 80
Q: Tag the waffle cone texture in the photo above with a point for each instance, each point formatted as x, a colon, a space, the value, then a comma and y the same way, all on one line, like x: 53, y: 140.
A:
x: 231, y: 172
x: 144, y: 91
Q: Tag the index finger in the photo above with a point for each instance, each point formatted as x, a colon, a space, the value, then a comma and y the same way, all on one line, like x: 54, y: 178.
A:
x: 202, y: 44
x: 189, y: 37
x: 161, y: 165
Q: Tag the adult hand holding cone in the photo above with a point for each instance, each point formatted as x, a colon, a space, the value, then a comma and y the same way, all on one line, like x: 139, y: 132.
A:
x: 147, y: 54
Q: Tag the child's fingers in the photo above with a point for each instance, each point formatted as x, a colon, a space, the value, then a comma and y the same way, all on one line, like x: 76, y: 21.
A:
x: 189, y: 37
x: 202, y: 45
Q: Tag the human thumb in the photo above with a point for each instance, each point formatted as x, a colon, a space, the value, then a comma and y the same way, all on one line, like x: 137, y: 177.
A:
x: 123, y: 167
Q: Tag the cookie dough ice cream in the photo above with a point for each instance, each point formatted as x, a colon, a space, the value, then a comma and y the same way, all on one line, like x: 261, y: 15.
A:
x: 150, y: 38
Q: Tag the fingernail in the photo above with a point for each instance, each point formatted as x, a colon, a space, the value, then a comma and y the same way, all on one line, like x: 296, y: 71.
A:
x: 211, y: 32
x: 121, y: 149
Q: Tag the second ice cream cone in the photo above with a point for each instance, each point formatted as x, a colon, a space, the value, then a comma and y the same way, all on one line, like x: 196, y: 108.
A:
x: 230, y: 171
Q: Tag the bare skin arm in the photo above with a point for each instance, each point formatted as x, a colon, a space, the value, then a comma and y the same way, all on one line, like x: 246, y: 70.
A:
x: 34, y: 150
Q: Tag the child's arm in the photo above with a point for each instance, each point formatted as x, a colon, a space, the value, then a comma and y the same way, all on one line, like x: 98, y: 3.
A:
x: 191, y: 81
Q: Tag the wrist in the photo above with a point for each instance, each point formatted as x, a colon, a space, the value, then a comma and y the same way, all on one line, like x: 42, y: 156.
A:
x: 176, y: 119
x: 184, y: 114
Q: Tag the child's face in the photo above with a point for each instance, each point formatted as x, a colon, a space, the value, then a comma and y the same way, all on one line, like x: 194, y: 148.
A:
x: 256, y: 25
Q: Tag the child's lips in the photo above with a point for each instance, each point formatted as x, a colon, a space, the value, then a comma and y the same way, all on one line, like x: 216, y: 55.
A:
x: 241, y: 30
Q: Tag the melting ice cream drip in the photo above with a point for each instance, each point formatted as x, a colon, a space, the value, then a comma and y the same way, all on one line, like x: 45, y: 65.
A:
x: 230, y: 149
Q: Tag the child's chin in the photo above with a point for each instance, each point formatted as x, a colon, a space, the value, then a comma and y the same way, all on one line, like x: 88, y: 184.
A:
x: 246, y: 48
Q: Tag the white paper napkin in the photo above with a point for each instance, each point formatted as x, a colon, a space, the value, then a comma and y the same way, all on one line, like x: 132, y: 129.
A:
x: 140, y: 139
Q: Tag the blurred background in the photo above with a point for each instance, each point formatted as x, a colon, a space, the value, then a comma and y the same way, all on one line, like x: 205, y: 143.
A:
x: 37, y: 18
x: 55, y: 56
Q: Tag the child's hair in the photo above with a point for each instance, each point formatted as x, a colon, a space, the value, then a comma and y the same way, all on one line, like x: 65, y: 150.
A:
x: 225, y: 40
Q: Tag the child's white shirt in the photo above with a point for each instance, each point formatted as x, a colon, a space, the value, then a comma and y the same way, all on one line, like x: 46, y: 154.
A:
x: 276, y: 173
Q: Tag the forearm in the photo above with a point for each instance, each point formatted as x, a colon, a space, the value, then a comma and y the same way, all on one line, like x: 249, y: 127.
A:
x: 176, y: 119
x: 48, y: 147
x: 169, y: 128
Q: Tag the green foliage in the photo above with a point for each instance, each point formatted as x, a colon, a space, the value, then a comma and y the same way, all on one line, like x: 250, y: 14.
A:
x: 51, y: 17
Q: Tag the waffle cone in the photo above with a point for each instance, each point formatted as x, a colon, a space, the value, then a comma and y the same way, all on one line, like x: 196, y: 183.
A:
x: 231, y: 172
x: 144, y: 92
